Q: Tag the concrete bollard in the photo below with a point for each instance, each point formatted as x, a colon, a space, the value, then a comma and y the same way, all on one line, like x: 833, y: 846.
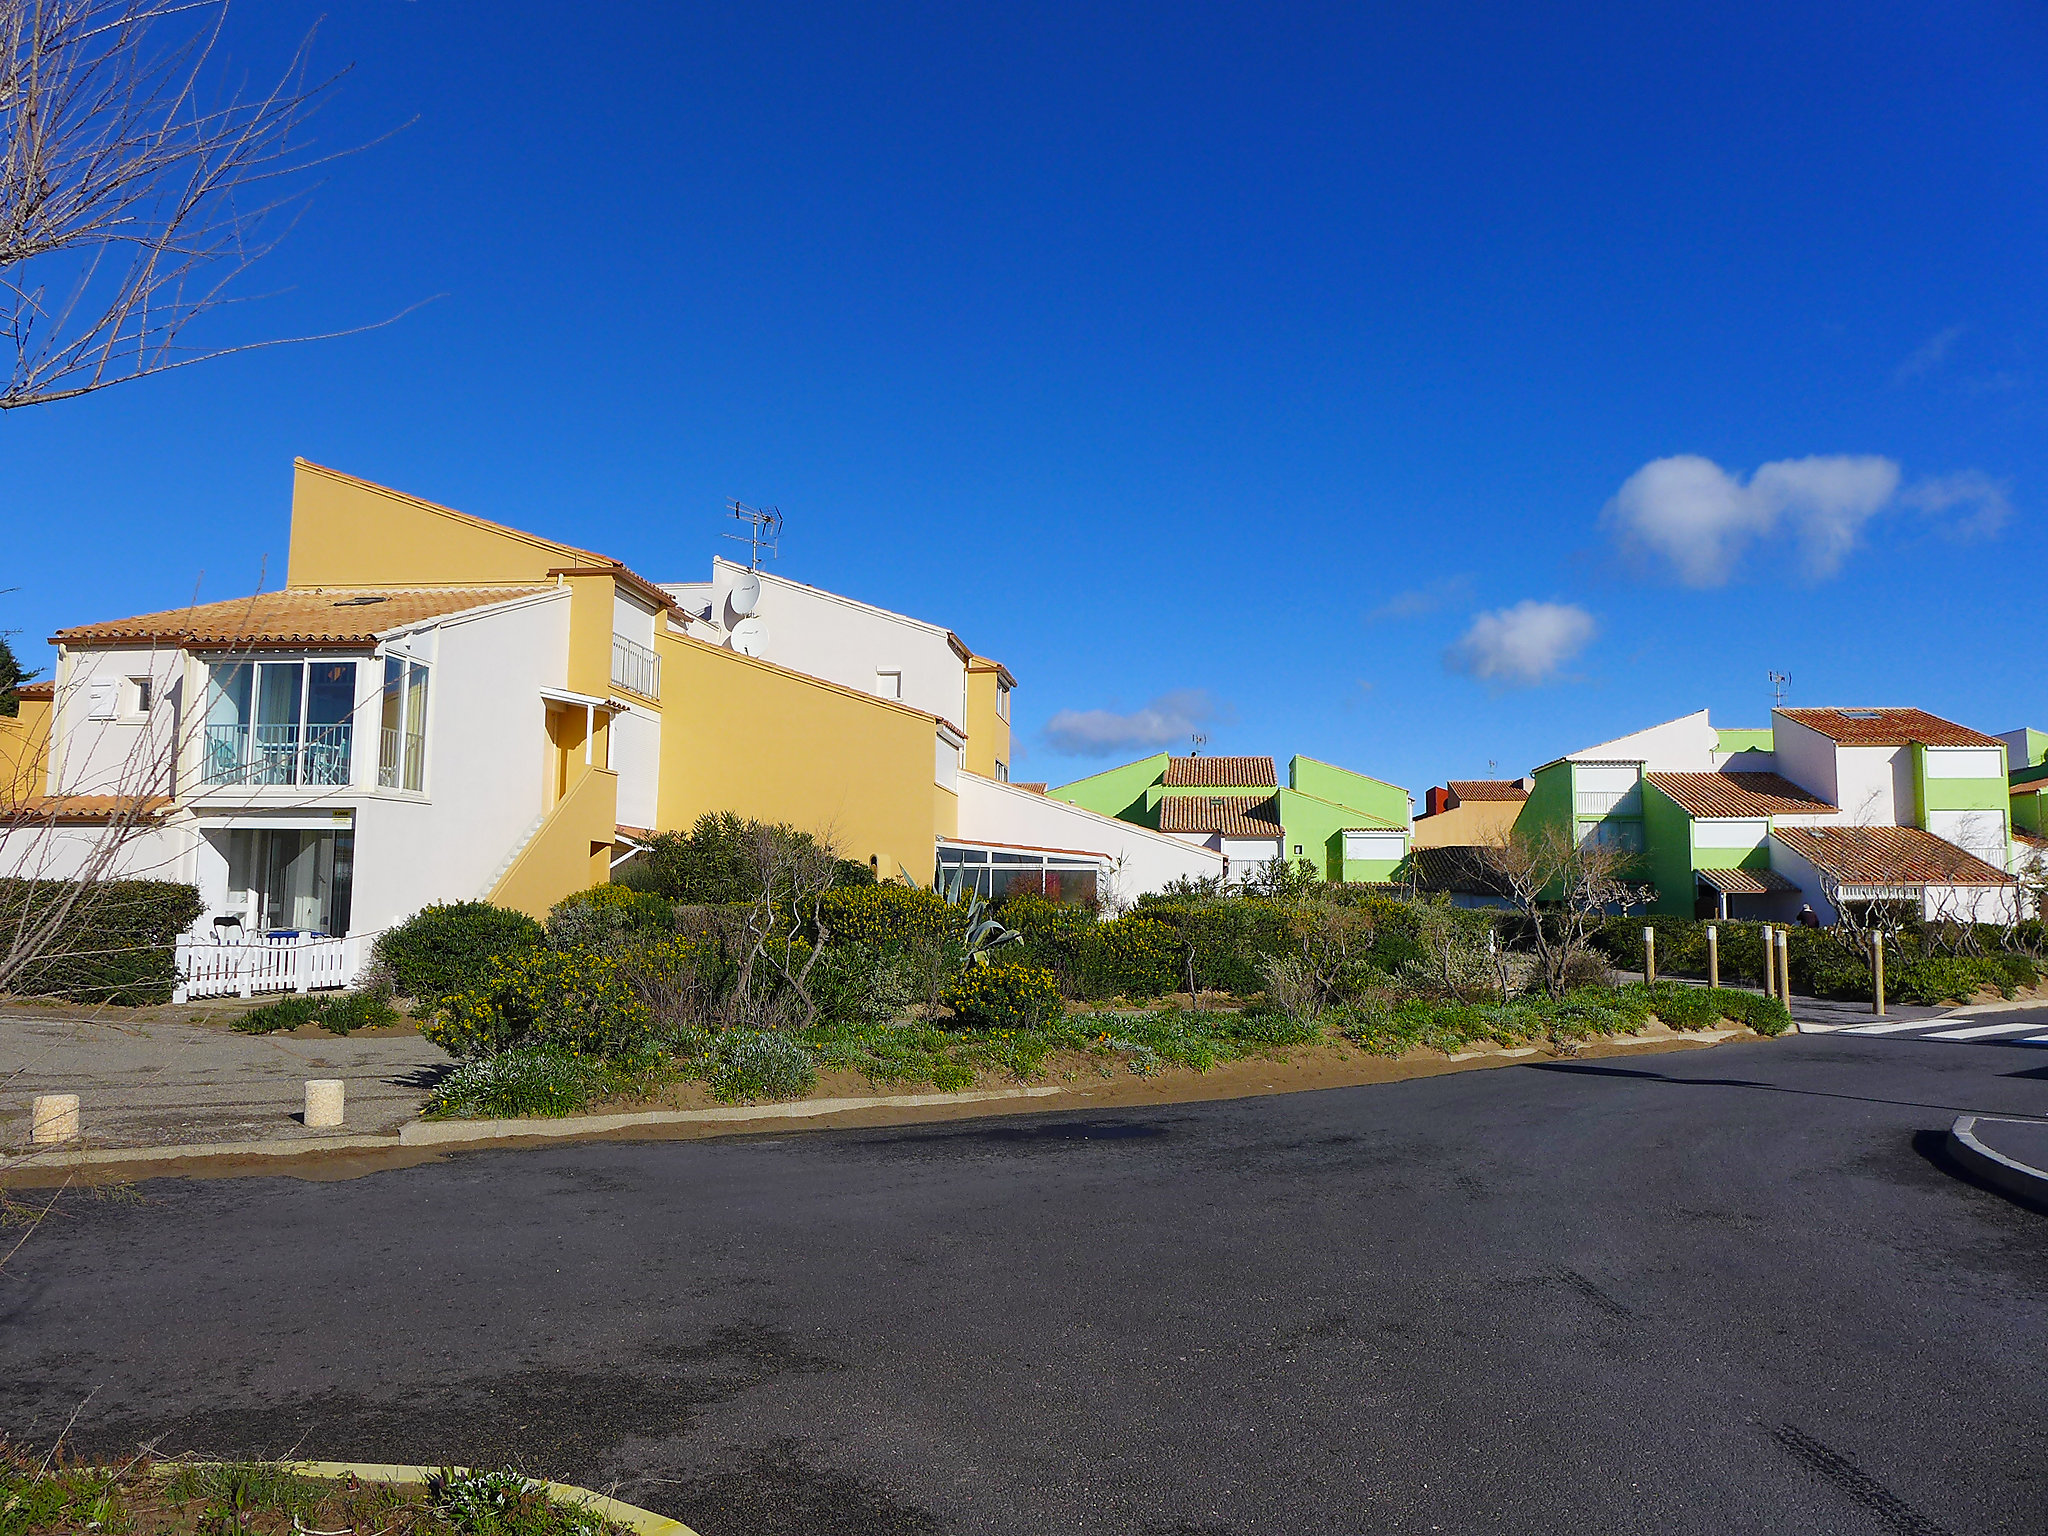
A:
x: 1784, y: 969
x: 1649, y: 957
x: 1713, y: 956
x: 323, y: 1102
x: 52, y: 1117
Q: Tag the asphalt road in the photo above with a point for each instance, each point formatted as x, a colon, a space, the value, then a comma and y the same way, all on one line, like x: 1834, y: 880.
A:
x: 1728, y: 1290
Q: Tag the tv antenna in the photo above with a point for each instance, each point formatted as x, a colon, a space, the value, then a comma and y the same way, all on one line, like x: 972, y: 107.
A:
x: 764, y: 530
x: 1780, y: 681
x: 1196, y: 741
x: 1492, y: 766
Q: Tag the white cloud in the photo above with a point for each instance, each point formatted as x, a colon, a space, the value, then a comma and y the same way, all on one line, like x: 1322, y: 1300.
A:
x: 1523, y: 645
x: 1981, y: 504
x: 1167, y: 721
x: 1692, y: 515
x: 1416, y: 603
x: 1929, y: 355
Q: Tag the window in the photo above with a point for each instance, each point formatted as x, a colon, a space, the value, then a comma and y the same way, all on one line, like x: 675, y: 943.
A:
x: 1297, y: 850
x: 889, y: 685
x: 279, y: 722
x: 141, y: 694
x: 1002, y: 701
x: 1002, y: 771
x: 286, y: 880
x: 402, y: 737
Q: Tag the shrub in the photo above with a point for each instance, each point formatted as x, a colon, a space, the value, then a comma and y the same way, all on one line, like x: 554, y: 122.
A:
x: 117, y: 944
x: 750, y: 1064
x: 608, y: 917
x: 1129, y: 956
x: 858, y: 984
x: 890, y: 917
x: 528, y: 1080
x: 718, y: 861
x: 1004, y: 994
x: 448, y: 948
x: 336, y: 1012
x: 1053, y: 932
x: 576, y: 1001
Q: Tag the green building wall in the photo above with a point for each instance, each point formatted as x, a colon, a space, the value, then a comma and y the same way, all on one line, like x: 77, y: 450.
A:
x: 1126, y: 793
x: 1668, y: 852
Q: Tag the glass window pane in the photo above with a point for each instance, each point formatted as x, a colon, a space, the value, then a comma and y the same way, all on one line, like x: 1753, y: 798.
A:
x: 277, y: 694
x: 225, y: 748
x: 415, y: 726
x: 330, y: 712
x: 389, y: 718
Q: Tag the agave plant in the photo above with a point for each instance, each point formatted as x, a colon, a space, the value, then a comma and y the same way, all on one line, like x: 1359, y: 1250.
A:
x: 985, y: 932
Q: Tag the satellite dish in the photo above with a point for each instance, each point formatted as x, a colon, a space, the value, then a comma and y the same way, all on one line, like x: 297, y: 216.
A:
x: 750, y: 637
x: 746, y: 593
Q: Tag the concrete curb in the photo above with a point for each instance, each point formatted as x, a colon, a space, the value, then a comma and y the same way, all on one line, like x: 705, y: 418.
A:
x: 1994, y: 1167
x: 643, y: 1522
x: 430, y: 1133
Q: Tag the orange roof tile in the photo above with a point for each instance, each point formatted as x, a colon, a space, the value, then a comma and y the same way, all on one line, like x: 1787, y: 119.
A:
x: 87, y: 807
x: 316, y: 618
x: 1486, y: 789
x: 1230, y: 815
x: 1221, y: 773
x: 1889, y: 856
x: 1747, y: 882
x: 1738, y: 794
x: 1888, y: 727
x: 43, y: 690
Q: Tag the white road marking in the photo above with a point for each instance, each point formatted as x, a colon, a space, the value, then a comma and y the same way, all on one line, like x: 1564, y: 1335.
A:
x: 1982, y: 1031
x: 1889, y: 1029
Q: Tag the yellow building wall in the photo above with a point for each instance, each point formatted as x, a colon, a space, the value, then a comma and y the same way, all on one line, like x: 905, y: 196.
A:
x: 762, y: 742
x: 1471, y: 825
x: 572, y: 850
x: 25, y: 752
x: 350, y: 533
x: 590, y: 633
x: 988, y: 734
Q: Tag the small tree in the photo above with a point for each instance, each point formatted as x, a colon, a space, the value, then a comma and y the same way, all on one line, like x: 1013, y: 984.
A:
x: 1562, y: 886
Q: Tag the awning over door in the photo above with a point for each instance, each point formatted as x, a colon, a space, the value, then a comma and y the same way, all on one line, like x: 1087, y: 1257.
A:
x: 1747, y: 882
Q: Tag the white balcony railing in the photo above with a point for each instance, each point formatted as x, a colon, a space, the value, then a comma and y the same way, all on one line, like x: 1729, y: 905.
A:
x: 635, y: 668
x: 401, y: 756
x: 276, y: 754
x: 244, y: 969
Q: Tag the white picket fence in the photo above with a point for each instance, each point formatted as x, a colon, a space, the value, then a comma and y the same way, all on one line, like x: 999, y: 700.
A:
x: 207, y: 968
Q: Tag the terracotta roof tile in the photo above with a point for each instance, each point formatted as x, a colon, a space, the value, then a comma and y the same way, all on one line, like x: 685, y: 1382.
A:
x: 1747, y: 882
x: 1221, y: 773
x: 330, y: 618
x: 1456, y: 867
x: 1231, y: 815
x: 1888, y: 728
x: 88, y: 807
x: 1738, y: 794
x: 1889, y: 856
x: 1486, y: 789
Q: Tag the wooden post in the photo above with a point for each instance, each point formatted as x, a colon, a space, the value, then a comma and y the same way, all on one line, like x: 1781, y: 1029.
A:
x: 1770, y: 975
x: 1649, y: 957
x: 1785, y: 969
x: 1877, y: 974
x: 1713, y: 956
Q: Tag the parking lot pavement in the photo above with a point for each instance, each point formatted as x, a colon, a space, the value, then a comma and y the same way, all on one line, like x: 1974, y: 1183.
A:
x: 145, y: 1083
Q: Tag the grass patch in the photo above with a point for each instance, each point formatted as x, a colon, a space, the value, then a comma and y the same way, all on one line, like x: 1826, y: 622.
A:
x: 42, y: 1497
x: 524, y: 1081
x: 338, y: 1013
x: 1588, y: 1014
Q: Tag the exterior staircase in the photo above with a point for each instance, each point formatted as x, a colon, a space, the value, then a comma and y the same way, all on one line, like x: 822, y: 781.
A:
x: 511, y: 857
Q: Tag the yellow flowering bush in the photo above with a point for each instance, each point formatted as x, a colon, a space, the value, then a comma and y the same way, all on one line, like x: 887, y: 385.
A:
x: 889, y: 917
x: 574, y: 1000
x: 1004, y: 994
x: 1129, y: 956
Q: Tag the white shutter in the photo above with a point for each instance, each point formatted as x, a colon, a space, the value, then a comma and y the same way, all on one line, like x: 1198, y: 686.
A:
x: 101, y: 695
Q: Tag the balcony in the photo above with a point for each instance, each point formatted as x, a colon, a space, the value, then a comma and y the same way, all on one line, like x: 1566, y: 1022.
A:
x: 401, y: 756
x: 276, y: 754
x: 635, y: 668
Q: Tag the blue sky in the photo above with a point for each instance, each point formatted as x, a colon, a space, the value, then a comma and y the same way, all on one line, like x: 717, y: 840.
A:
x: 1420, y: 388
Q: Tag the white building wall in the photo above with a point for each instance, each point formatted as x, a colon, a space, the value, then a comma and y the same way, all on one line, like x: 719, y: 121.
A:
x: 636, y: 758
x: 1875, y: 785
x: 1684, y: 745
x: 633, y: 619
x: 486, y: 770
x: 1805, y: 757
x: 1149, y: 861
x: 843, y: 641
x: 118, y: 750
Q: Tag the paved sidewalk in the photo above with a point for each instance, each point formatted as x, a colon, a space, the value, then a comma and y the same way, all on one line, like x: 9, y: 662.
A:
x: 158, y: 1083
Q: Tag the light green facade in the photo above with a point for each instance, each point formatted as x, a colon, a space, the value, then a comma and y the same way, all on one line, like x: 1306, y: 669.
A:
x: 1319, y: 803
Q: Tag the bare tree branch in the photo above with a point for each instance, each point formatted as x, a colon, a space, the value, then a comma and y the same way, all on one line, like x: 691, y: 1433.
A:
x: 132, y: 199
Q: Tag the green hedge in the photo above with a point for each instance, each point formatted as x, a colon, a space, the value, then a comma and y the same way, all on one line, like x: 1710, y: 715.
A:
x: 1389, y: 1030
x: 118, y: 944
x: 1130, y: 956
x: 449, y: 948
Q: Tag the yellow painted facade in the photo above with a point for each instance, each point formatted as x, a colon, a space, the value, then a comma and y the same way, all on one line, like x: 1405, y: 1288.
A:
x: 25, y: 751
x: 761, y: 741
x: 987, y: 725
x: 572, y: 849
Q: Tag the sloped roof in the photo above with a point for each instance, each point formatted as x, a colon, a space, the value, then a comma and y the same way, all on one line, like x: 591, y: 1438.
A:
x: 318, y: 618
x: 43, y: 690
x: 1888, y: 727
x: 1738, y: 794
x: 1747, y: 882
x: 89, y: 807
x: 1455, y: 867
x: 1889, y: 856
x: 1230, y: 815
x: 1221, y: 773
x: 1487, y: 789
